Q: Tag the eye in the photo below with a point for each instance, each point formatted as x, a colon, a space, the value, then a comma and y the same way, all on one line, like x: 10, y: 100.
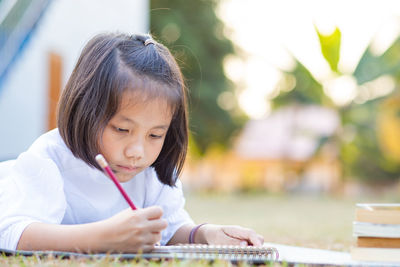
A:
x: 121, y: 130
x: 155, y: 136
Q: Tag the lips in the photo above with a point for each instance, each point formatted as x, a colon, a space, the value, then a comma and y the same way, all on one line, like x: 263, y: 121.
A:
x: 127, y: 168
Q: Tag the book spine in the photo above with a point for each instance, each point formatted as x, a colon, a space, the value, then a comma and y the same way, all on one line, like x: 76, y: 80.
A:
x: 376, y: 230
x: 377, y: 242
x: 376, y: 254
x: 378, y: 216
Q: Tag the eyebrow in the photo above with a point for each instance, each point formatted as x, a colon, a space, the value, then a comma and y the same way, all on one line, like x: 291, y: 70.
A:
x: 164, y: 127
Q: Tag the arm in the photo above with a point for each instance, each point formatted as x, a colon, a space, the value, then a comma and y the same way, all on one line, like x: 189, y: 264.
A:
x: 128, y: 231
x: 181, y: 236
x: 82, y: 238
x: 217, y: 235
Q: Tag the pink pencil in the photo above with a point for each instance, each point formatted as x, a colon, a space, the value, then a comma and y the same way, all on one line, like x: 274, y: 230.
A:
x: 103, y: 163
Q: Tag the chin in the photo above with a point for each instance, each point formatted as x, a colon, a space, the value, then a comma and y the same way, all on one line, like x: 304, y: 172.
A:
x: 125, y: 178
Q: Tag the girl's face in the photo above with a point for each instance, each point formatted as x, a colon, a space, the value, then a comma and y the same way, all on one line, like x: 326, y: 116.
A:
x: 133, y: 138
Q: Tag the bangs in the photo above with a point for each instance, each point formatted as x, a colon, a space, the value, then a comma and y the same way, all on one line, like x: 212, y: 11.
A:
x: 143, y: 88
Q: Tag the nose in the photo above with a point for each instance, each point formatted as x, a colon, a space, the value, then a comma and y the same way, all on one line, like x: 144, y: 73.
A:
x: 135, y: 149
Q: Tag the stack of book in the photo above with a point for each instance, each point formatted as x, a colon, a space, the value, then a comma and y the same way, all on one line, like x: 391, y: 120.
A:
x: 377, y: 232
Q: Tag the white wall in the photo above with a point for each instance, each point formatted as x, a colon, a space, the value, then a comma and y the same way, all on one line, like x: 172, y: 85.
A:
x: 65, y: 28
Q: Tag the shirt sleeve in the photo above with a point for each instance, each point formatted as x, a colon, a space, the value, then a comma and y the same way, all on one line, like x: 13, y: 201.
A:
x: 172, y: 201
x: 30, y: 191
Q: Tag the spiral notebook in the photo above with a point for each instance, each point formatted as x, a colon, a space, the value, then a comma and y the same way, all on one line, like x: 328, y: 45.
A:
x: 181, y: 252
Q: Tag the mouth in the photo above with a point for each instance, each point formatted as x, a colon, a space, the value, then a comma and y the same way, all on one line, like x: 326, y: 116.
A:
x: 127, y: 168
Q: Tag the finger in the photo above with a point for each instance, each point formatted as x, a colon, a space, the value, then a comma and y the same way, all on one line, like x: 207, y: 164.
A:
x: 255, y: 240
x: 153, y: 238
x: 147, y: 247
x: 233, y: 241
x: 157, y: 237
x: 261, y: 238
x: 157, y: 225
x: 244, y: 234
x: 243, y: 243
x: 236, y: 232
x: 153, y: 212
x: 252, y: 238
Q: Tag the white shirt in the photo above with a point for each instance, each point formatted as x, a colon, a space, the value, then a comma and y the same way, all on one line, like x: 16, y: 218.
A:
x: 48, y: 184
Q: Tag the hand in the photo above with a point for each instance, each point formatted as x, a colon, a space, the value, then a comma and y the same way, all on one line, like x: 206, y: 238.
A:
x: 230, y: 235
x: 133, y: 230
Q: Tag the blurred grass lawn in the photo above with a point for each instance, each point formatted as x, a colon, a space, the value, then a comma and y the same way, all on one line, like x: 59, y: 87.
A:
x: 316, y: 221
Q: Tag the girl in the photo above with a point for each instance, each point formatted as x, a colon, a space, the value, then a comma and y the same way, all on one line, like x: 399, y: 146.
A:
x: 126, y: 100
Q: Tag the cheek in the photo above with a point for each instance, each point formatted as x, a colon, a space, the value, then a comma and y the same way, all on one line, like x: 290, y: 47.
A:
x: 106, y: 143
x: 156, y: 149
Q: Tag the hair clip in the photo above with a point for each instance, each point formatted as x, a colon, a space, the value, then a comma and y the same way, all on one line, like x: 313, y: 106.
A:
x: 149, y: 41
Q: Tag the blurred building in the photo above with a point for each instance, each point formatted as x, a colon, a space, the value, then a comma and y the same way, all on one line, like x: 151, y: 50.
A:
x: 287, y: 151
x: 43, y: 37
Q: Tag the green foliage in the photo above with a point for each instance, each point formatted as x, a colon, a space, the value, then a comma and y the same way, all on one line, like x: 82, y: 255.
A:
x: 330, y: 47
x: 306, y: 91
x: 362, y: 157
x: 194, y: 35
x: 371, y: 67
x: 360, y: 153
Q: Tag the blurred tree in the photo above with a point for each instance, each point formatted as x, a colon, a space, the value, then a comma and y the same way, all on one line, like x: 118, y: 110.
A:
x: 362, y: 154
x: 376, y: 135
x: 305, y: 91
x: 195, y: 36
x: 389, y: 128
x: 369, y: 140
x: 371, y: 67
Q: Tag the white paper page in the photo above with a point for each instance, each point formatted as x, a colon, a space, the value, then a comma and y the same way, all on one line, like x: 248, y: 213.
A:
x: 292, y: 254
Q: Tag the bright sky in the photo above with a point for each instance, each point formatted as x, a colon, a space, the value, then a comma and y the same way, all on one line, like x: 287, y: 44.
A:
x: 270, y: 31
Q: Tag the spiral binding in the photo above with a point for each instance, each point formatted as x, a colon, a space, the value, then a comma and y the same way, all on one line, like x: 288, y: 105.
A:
x: 182, y: 252
x: 222, y: 252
